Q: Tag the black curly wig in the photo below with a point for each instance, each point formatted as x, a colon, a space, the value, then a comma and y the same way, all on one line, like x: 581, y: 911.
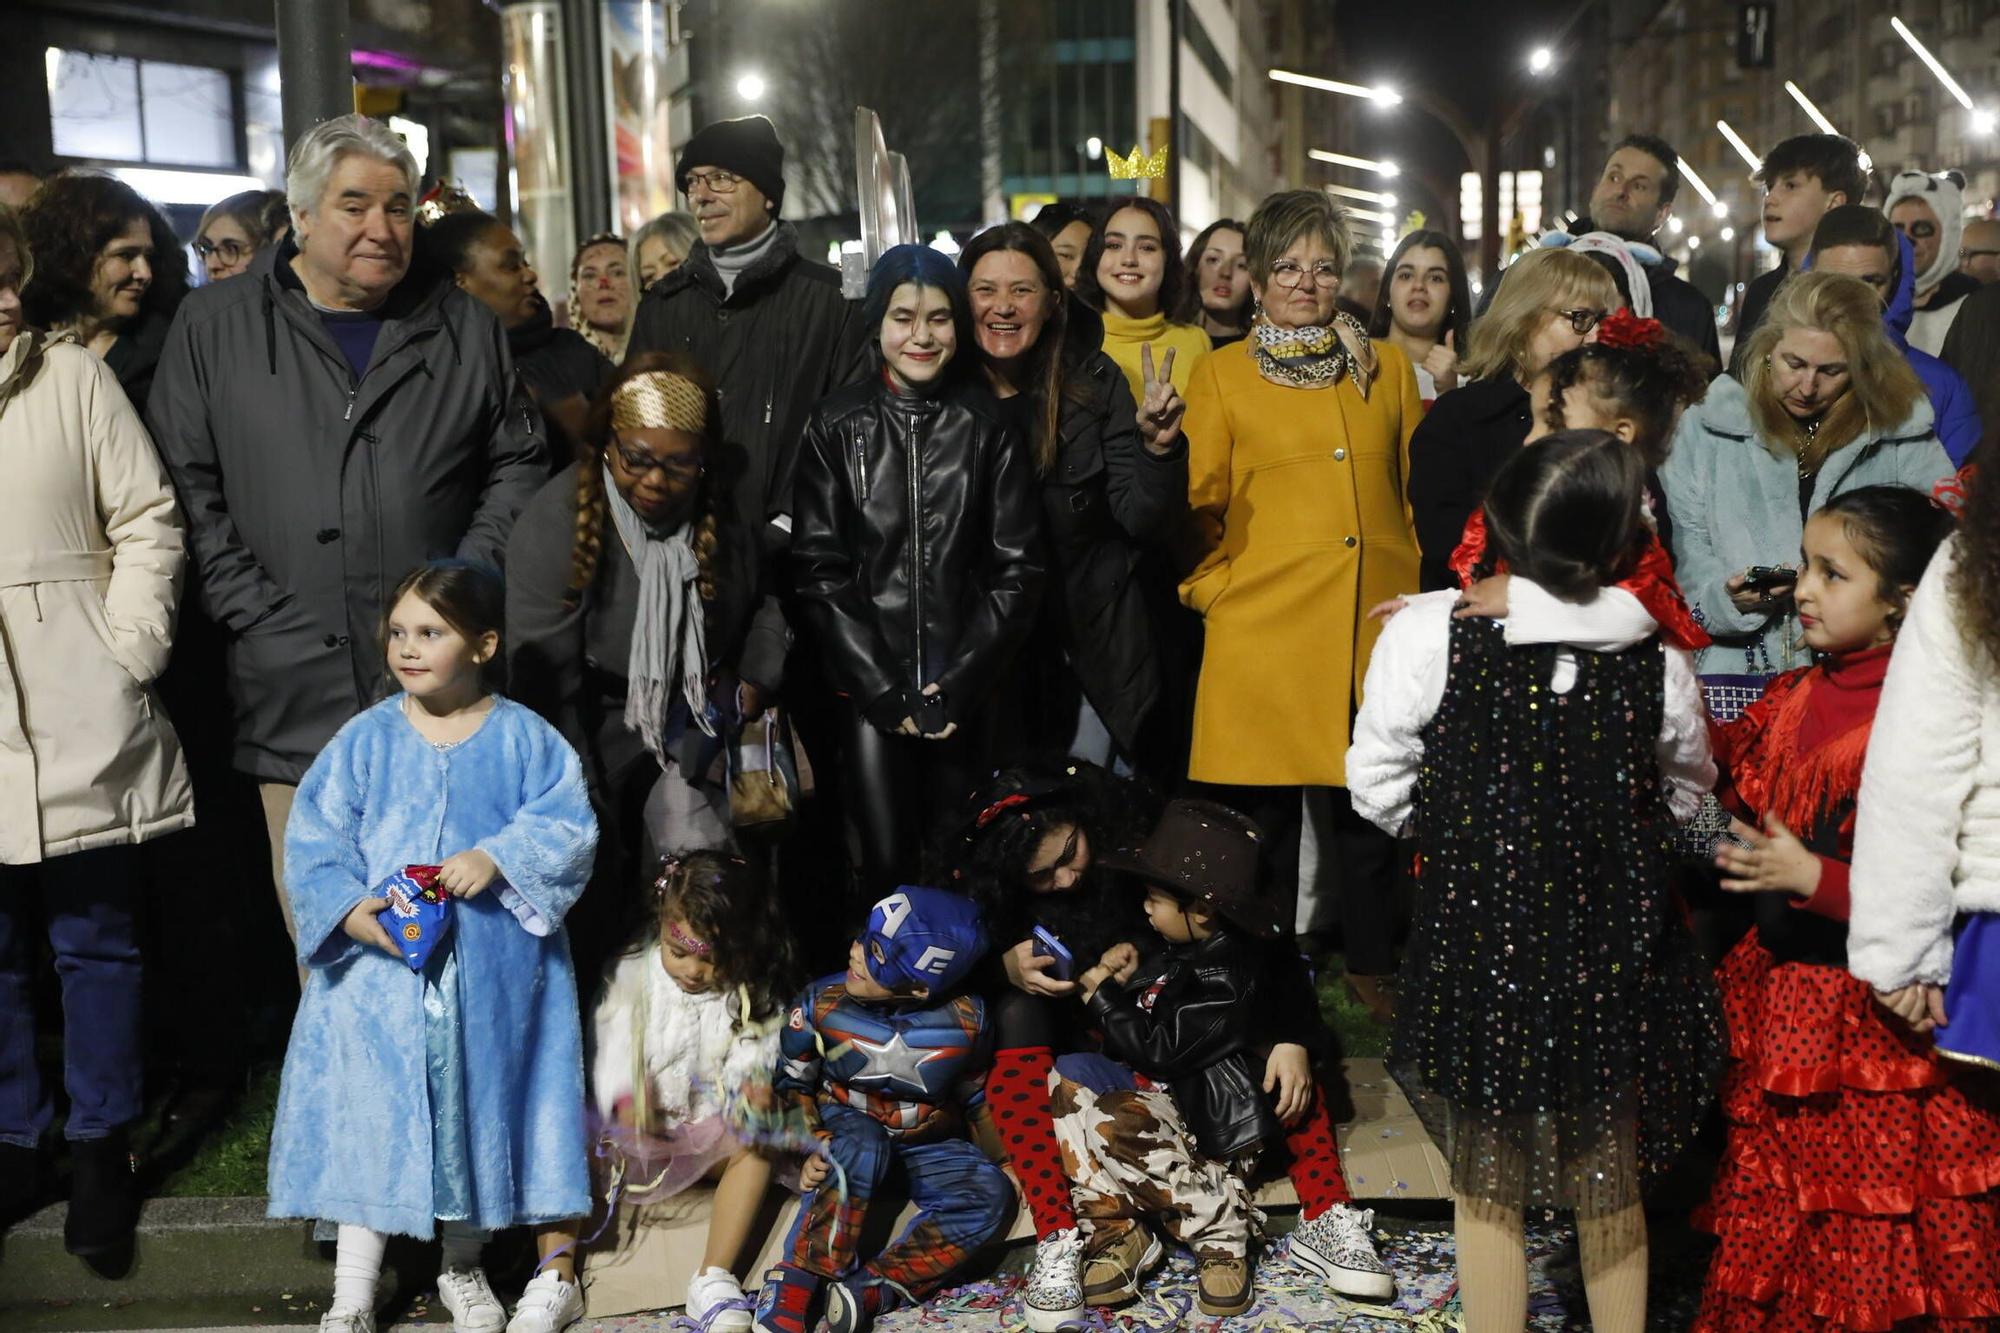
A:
x: 69, y: 222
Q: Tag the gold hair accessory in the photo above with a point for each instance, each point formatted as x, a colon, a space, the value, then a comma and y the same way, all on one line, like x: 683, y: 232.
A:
x: 659, y: 399
x: 1137, y: 167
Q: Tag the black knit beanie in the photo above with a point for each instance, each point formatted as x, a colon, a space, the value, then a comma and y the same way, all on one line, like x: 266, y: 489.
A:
x: 747, y: 146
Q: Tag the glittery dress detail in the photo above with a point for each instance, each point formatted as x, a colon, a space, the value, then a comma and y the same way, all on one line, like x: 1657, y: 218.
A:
x: 1857, y: 1187
x: 1556, y: 1033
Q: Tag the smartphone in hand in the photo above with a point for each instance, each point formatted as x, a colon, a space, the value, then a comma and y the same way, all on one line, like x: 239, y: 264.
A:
x: 1047, y: 945
x: 1770, y: 576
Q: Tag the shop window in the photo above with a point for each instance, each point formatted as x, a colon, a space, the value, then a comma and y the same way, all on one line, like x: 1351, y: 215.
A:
x: 124, y: 110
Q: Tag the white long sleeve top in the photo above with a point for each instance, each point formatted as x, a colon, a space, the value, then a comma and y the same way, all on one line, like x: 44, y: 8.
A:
x: 1407, y: 676
x: 1927, y: 830
x: 690, y: 1047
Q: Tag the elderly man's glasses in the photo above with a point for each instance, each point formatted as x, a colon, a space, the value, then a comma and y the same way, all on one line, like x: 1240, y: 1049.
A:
x: 1582, y: 319
x: 715, y: 182
x: 638, y: 463
x: 1290, y: 273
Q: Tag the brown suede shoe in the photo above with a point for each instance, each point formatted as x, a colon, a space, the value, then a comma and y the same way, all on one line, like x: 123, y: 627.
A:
x: 1224, y: 1286
x: 1113, y: 1271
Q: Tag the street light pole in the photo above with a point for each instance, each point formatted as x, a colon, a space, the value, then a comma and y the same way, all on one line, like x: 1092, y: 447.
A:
x: 315, y: 64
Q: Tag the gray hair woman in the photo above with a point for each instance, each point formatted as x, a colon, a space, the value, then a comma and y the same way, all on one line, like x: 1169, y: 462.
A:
x: 1297, y: 441
x: 90, y: 563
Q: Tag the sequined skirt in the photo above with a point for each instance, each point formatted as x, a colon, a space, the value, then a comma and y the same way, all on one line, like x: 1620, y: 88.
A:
x: 1569, y: 1090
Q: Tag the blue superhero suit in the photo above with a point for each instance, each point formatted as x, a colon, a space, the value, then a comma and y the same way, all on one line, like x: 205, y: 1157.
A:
x: 882, y: 1082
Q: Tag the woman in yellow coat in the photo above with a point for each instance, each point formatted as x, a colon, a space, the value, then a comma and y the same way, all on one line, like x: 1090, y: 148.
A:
x: 1298, y: 448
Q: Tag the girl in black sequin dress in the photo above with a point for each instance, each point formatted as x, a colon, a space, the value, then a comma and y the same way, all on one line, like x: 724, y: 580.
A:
x: 1556, y: 1030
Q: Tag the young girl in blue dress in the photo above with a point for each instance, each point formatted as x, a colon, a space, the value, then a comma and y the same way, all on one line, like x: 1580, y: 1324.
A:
x: 447, y: 1098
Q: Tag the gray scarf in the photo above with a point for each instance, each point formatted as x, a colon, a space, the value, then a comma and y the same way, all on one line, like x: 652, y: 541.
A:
x: 731, y: 260
x: 669, y: 622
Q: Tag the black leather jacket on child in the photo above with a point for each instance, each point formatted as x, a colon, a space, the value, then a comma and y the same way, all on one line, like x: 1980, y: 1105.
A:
x: 916, y: 534
x: 1197, y: 1036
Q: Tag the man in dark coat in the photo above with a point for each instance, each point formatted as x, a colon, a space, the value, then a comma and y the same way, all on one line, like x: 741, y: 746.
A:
x: 768, y: 324
x: 330, y: 426
x: 1633, y: 198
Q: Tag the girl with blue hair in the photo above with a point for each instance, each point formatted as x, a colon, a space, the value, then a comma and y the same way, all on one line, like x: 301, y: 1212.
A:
x: 915, y: 536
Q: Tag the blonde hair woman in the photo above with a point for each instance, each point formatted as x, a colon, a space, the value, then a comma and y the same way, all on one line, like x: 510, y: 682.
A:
x: 1552, y: 301
x: 1827, y: 405
x: 1296, y: 440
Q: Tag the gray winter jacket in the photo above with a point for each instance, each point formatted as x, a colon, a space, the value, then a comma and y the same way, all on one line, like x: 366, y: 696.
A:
x: 309, y: 494
x: 1736, y: 504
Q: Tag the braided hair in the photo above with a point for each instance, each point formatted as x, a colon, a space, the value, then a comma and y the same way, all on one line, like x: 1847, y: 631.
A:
x: 1641, y: 371
x: 593, y: 498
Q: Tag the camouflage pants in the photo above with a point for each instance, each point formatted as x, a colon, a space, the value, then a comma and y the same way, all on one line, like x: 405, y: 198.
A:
x: 1130, y: 1160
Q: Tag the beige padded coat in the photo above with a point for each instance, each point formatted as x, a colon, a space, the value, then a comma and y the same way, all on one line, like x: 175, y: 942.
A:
x: 90, y: 565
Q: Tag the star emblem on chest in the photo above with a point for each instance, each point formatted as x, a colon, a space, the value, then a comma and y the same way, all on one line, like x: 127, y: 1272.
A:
x: 895, y: 1061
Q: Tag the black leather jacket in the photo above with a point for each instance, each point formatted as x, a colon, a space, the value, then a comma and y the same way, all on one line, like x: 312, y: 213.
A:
x: 1198, y: 1037
x: 915, y: 532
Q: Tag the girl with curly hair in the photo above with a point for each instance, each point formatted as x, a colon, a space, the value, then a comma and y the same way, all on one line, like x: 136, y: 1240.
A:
x: 636, y: 623
x: 686, y: 1043
x: 108, y: 273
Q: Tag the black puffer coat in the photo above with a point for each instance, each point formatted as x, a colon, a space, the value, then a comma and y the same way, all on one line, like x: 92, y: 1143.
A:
x: 1106, y: 502
x: 915, y: 536
x: 1198, y: 1035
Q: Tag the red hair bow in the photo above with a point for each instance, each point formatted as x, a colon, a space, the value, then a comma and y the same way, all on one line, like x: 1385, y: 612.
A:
x: 1000, y: 807
x: 1625, y: 329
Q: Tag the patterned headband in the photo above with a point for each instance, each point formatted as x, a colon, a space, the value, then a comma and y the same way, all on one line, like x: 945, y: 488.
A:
x: 659, y: 399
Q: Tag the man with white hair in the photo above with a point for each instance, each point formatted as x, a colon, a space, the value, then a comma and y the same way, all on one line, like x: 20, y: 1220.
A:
x: 331, y: 421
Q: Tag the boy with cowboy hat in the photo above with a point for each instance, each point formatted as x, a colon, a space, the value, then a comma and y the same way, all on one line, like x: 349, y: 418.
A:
x: 1179, y: 1153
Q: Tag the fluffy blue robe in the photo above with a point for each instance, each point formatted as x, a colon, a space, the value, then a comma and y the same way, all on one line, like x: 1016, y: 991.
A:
x: 357, y: 1132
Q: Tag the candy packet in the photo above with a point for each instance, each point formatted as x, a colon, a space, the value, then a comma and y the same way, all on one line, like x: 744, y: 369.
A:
x: 418, y: 916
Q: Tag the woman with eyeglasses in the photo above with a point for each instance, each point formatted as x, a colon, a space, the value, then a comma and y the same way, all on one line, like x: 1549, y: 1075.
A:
x: 233, y: 230
x: 1296, y: 445
x: 1552, y: 302
x: 108, y: 273
x: 635, y: 626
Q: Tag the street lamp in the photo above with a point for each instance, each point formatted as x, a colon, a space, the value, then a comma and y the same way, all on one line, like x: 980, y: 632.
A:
x: 1365, y: 196
x: 1799, y: 96
x: 750, y: 86
x: 1094, y: 146
x: 1983, y: 119
x: 1728, y: 233
x: 1358, y: 163
x: 1540, y: 60
x: 1381, y: 96
x: 1736, y: 142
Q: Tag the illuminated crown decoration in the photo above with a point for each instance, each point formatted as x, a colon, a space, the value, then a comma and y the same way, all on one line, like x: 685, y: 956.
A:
x: 1414, y: 222
x: 1137, y: 167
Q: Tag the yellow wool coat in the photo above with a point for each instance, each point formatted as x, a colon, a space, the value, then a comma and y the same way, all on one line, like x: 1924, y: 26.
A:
x: 1304, y: 515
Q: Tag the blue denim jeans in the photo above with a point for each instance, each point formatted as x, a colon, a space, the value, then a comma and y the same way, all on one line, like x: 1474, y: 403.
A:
x: 85, y: 902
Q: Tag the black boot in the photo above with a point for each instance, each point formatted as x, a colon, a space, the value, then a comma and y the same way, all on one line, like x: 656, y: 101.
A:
x: 22, y: 1179
x: 103, y: 1197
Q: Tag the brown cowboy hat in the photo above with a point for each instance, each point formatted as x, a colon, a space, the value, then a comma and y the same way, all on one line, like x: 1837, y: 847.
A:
x: 1204, y: 852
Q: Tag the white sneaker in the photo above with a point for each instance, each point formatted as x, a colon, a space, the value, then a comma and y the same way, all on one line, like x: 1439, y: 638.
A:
x: 1054, y: 1299
x: 717, y: 1303
x: 347, y: 1323
x: 1337, y: 1246
x: 469, y: 1296
x: 548, y: 1305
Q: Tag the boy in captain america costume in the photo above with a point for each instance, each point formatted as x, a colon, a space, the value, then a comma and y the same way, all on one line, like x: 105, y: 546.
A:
x: 887, y: 1065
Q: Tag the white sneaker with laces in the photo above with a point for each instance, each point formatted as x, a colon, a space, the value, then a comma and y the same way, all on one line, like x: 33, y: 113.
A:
x: 1337, y: 1246
x: 469, y: 1296
x: 1054, y: 1300
x: 716, y: 1301
x: 364, y: 1322
x: 548, y: 1305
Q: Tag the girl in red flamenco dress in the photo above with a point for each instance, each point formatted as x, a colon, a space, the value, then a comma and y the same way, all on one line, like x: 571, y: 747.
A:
x: 1854, y: 1188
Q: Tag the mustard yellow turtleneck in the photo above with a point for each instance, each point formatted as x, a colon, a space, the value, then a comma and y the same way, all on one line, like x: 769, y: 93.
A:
x: 1124, y: 337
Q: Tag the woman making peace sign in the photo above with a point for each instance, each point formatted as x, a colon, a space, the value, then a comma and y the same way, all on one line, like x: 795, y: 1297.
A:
x: 1298, y: 442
